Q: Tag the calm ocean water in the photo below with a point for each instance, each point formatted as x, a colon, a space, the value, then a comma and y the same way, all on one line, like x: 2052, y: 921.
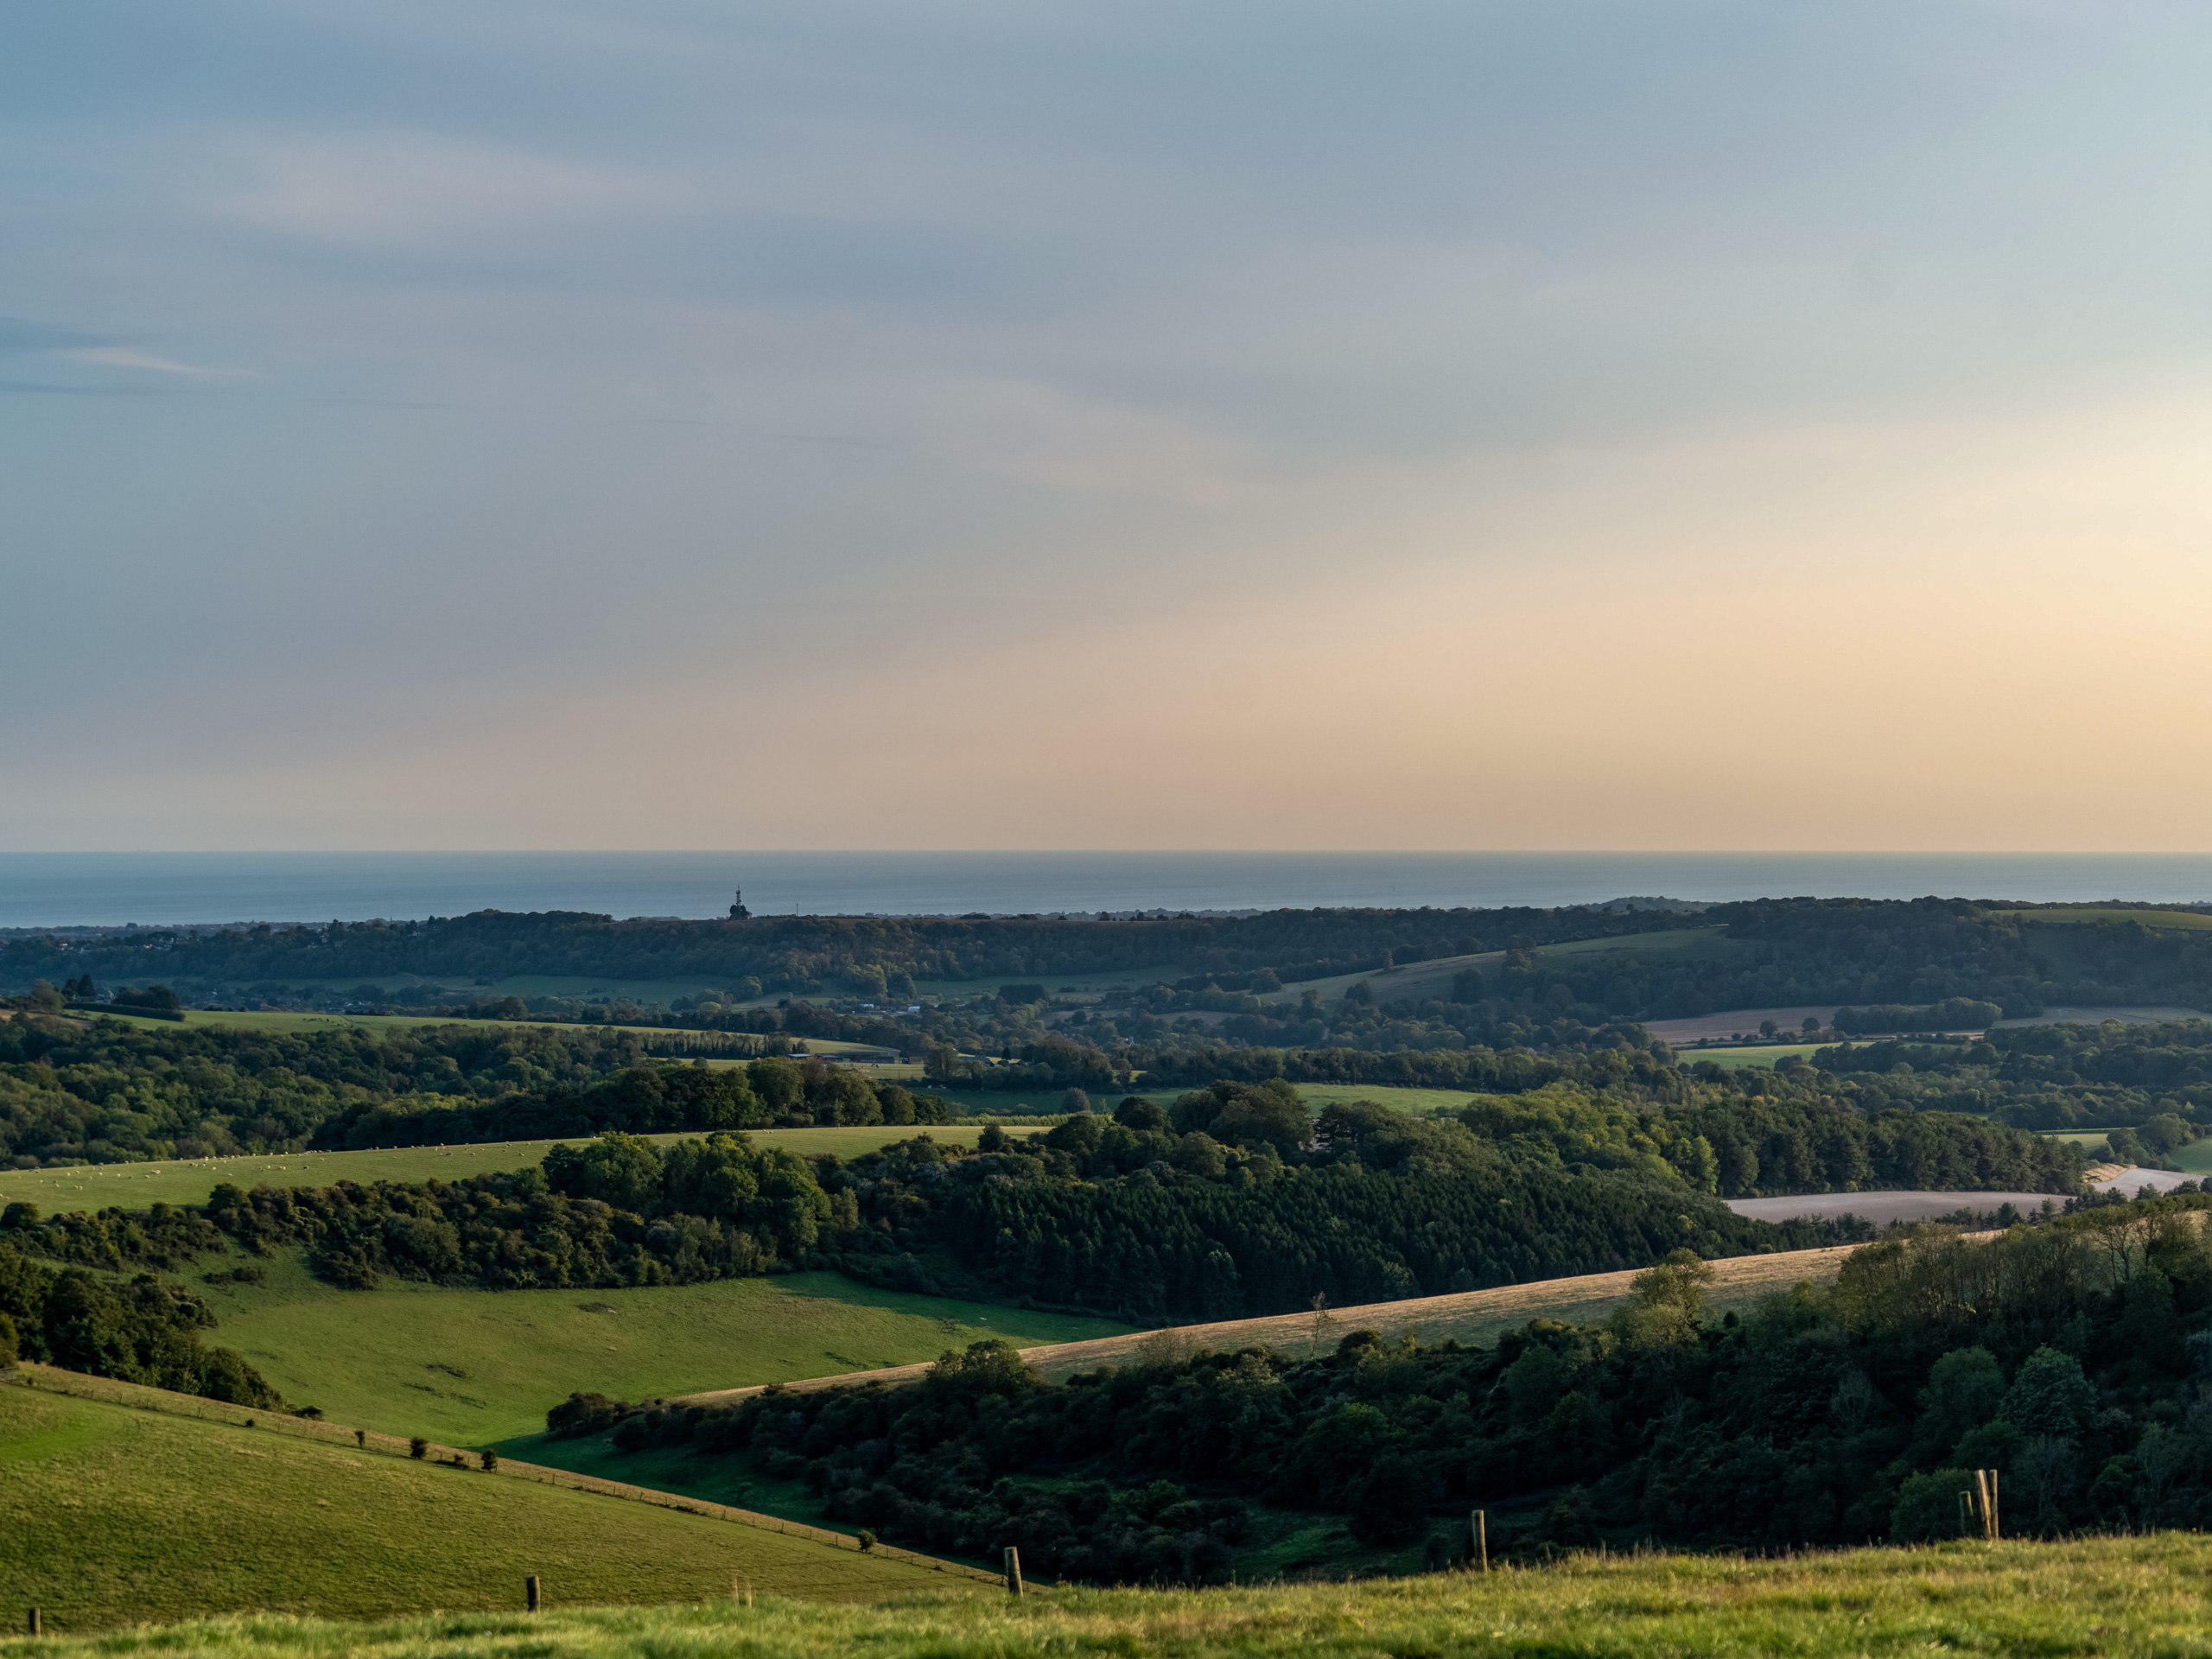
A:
x: 106, y: 889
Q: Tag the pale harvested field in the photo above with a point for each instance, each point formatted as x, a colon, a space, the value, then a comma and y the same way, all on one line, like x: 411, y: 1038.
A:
x: 1475, y: 1316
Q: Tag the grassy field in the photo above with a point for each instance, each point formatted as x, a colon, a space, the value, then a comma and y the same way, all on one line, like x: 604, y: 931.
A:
x: 1473, y: 1317
x: 111, y: 1515
x: 2089, y: 914
x: 477, y: 1367
x: 1760, y: 1055
x: 290, y: 1021
x: 983, y: 1101
x: 1420, y: 980
x: 2113, y: 1597
x: 95, y: 1186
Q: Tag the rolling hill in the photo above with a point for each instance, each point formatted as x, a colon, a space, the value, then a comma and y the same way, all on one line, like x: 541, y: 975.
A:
x: 111, y: 1515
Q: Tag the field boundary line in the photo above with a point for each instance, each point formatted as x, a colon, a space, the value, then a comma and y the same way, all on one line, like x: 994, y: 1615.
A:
x: 37, y: 1378
x: 1739, y: 1279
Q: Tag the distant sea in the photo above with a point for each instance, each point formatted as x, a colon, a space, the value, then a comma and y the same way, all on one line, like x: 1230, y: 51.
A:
x: 110, y: 889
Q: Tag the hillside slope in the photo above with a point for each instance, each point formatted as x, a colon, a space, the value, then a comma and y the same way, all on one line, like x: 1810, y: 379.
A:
x: 111, y: 1515
x: 1470, y: 1316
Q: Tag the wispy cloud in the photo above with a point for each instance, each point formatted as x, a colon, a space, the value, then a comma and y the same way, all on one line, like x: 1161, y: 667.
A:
x: 415, y: 190
x: 123, y: 357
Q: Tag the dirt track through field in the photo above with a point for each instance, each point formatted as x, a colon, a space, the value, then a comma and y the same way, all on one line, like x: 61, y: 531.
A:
x: 1474, y: 1316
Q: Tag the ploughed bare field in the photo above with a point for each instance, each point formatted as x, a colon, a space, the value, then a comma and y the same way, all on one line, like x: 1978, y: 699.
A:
x: 1474, y: 1316
x: 1881, y: 1208
x: 1738, y: 1022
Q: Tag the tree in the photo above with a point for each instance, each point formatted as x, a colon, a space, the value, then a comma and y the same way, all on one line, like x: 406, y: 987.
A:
x: 1965, y: 1388
x: 2049, y: 1395
x: 1074, y: 1101
x: 617, y: 1169
x: 1668, y: 1300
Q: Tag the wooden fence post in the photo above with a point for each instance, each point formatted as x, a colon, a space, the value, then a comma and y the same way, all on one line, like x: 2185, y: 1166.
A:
x: 1013, y: 1571
x: 1996, y: 1511
x: 1981, y: 1499
x: 1482, y: 1539
x: 530, y: 1592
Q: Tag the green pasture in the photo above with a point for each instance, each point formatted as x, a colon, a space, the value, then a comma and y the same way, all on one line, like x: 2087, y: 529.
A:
x: 983, y: 1103
x: 291, y: 1020
x: 133, y: 1187
x: 2116, y: 1598
x: 111, y: 1515
x: 478, y: 1367
x: 1759, y: 1055
x: 2193, y: 1160
x: 2089, y: 914
x: 295, y: 1020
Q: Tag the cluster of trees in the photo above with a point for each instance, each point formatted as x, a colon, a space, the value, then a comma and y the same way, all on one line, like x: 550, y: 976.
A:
x: 770, y: 1093
x: 1782, y: 1140
x: 2068, y: 1355
x: 108, y: 1092
x: 617, y: 1211
x: 1953, y: 1014
x: 2149, y: 1084
x: 143, y: 1332
x: 1234, y: 1202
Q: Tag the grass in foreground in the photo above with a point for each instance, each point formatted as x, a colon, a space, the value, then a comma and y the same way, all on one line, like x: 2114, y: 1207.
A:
x: 476, y: 1367
x: 94, y: 1186
x: 2112, y: 1597
x: 111, y: 1517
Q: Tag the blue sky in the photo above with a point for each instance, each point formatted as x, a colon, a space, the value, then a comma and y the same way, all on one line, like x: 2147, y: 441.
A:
x: 677, y: 424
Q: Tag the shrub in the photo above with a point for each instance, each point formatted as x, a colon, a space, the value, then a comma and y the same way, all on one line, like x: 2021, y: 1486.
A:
x: 491, y: 1461
x: 419, y: 1447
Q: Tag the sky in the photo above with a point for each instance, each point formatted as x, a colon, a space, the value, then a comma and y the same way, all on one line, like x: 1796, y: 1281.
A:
x: 955, y: 424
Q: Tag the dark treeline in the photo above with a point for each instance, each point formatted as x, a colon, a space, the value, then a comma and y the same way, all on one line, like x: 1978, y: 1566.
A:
x: 1957, y: 1014
x: 2068, y: 1356
x: 1770, y: 952
x: 803, y: 953
x: 144, y: 1332
x: 1781, y: 1140
x: 111, y: 1092
x: 642, y: 1100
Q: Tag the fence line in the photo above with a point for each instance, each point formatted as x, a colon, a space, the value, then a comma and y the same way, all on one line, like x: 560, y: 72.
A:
x: 52, y: 1379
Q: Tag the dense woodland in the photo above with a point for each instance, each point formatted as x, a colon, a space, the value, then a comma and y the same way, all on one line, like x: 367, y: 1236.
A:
x: 143, y: 1332
x: 803, y: 953
x: 105, y: 1091
x: 2149, y: 1084
x: 1762, y: 952
x: 1233, y: 1200
x: 2072, y: 1357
